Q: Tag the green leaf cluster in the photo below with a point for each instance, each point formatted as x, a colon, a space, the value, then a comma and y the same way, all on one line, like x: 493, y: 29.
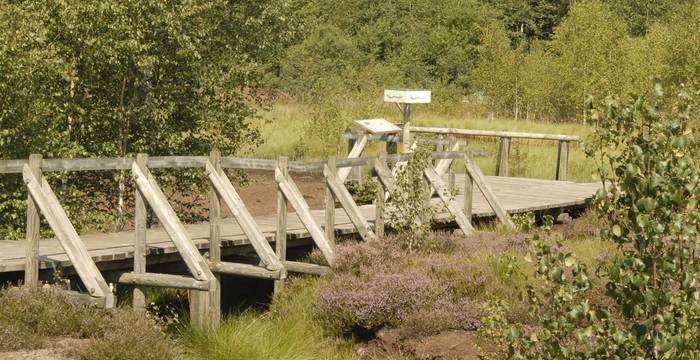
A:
x: 107, y: 79
x: 650, y: 307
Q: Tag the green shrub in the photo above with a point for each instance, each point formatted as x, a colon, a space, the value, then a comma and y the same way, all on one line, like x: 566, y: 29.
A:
x: 651, y: 185
x: 127, y: 335
x: 411, y: 210
x: 31, y: 318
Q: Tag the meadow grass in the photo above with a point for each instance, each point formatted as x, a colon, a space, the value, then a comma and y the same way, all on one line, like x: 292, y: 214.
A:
x: 282, y: 128
x: 288, y: 331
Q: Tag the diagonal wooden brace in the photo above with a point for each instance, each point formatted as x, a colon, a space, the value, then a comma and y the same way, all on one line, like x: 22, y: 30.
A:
x: 184, y: 244
x: 68, y: 237
x: 480, y: 181
x: 348, y: 204
x: 444, y: 193
x: 225, y: 189
x: 292, y: 194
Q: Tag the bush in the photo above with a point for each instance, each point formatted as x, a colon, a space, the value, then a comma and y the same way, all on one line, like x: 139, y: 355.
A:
x: 650, y: 308
x: 31, y: 318
x: 354, y: 304
x: 379, y: 284
x: 411, y: 211
x: 127, y: 335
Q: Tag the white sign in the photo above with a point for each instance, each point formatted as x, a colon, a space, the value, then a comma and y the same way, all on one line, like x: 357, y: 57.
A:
x: 378, y: 126
x: 407, y: 96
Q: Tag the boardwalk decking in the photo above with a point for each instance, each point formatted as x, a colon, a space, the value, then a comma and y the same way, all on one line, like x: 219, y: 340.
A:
x: 112, y: 250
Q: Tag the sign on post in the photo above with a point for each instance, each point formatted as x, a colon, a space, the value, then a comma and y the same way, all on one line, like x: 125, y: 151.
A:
x: 407, y: 96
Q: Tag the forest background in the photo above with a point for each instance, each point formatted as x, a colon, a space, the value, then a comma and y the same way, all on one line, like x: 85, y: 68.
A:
x: 108, y: 79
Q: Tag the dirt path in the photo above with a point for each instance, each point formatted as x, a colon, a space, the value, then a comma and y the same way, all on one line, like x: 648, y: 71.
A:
x: 260, y: 194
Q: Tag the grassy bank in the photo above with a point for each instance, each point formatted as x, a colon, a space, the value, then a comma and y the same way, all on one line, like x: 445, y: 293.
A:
x: 311, y: 319
x: 283, y: 130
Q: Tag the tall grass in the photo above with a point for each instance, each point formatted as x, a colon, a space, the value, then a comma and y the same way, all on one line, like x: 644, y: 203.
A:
x: 288, y: 331
x: 283, y: 128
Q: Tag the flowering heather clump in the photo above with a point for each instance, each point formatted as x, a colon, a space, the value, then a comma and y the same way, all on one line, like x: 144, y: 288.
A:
x: 34, y: 318
x: 363, y: 258
x: 386, y: 299
x: 444, y: 313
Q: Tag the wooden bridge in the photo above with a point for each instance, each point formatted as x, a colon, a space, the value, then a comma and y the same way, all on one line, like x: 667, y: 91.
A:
x: 206, y: 251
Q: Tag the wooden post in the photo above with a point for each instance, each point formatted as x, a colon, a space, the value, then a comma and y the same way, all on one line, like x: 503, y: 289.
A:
x: 140, y: 226
x: 468, y: 193
x: 406, y: 127
x: 392, y: 147
x: 503, y: 152
x: 358, y: 173
x: 330, y: 205
x: 353, y: 170
x: 281, y: 235
x: 215, y: 242
x: 380, y: 205
x: 31, y: 268
x: 563, y: 160
x: 451, y: 168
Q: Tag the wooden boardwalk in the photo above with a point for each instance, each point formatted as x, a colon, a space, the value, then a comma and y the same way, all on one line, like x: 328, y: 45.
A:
x: 112, y: 251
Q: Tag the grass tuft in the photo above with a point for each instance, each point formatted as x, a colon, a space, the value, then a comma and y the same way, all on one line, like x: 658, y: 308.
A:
x: 288, y: 331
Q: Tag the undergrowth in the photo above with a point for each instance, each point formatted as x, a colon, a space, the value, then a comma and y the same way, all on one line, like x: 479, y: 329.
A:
x: 288, y: 331
x: 33, y: 318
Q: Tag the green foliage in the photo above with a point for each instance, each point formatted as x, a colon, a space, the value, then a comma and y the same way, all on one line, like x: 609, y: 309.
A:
x: 648, y: 157
x: 411, y: 209
x: 524, y: 222
x: 532, y: 19
x: 82, y: 79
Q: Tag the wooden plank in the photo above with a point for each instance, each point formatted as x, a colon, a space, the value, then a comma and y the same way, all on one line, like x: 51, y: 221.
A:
x: 508, y: 134
x: 330, y: 205
x: 165, y: 162
x: 88, y: 164
x: 355, y: 152
x: 379, y: 209
x: 140, y: 226
x: 85, y: 299
x: 563, y: 161
x: 444, y: 164
x: 12, y: 166
x: 67, y: 236
x: 281, y: 225
x: 503, y: 153
x: 392, y: 140
x: 246, y: 270
x: 215, y: 241
x: 162, y: 280
x: 155, y: 197
x: 451, y: 168
x: 468, y: 201
x: 348, y: 204
x: 384, y: 175
x: 302, y: 208
x: 306, y: 268
x: 31, y: 267
x: 480, y: 181
x: 109, y: 164
x: 240, y: 212
x: 444, y: 194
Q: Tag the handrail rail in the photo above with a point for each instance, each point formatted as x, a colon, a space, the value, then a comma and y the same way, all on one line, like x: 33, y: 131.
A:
x: 162, y: 162
x: 506, y: 134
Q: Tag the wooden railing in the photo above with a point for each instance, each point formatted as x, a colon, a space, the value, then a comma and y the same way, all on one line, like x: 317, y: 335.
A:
x: 505, y: 137
x: 204, y: 274
x: 459, y: 137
